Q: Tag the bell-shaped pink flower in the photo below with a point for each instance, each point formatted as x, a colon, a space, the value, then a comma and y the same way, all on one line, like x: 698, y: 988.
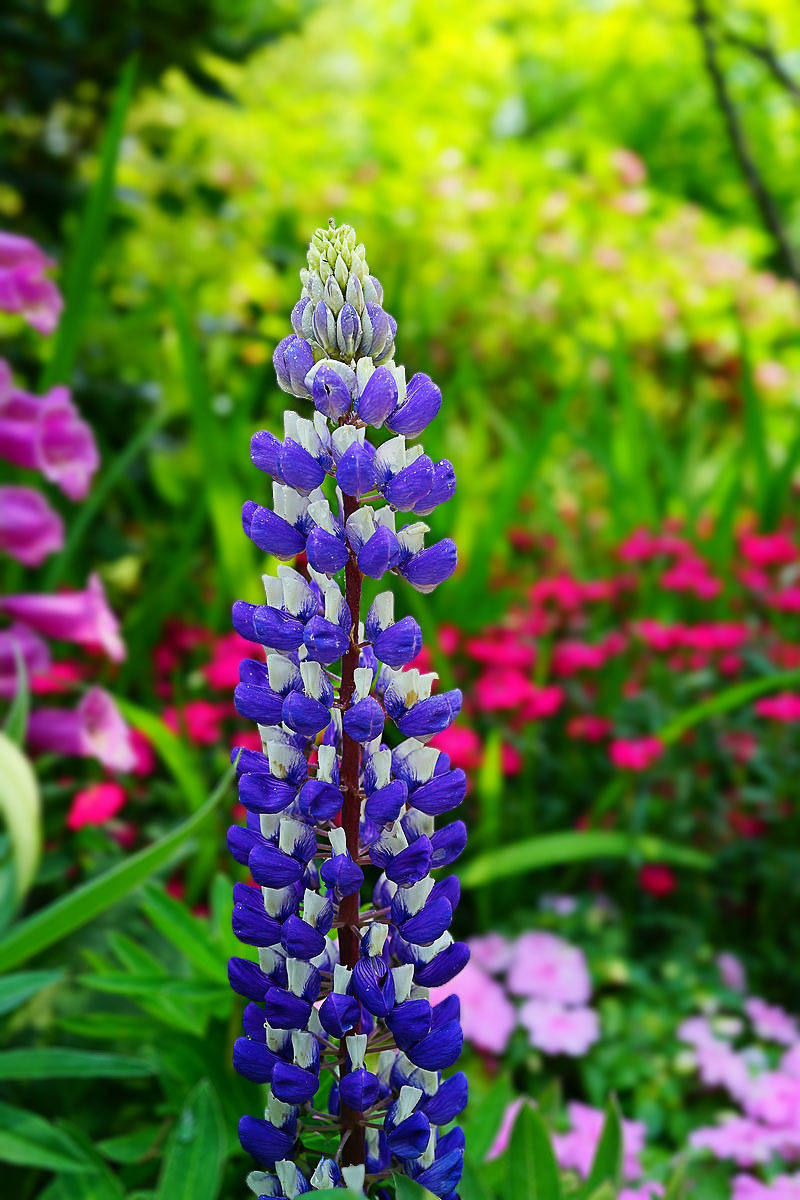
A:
x: 19, y: 641
x: 46, y: 433
x: 95, y: 729
x: 81, y: 617
x: 30, y: 529
x: 24, y: 287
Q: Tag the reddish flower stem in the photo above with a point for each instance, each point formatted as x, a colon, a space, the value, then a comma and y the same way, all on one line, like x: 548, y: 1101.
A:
x: 350, y: 1120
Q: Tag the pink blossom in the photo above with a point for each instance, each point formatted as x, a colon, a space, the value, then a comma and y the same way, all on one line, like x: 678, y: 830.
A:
x: 47, y: 434
x: 588, y: 727
x: 461, y: 744
x: 635, y: 754
x: 696, y: 1031
x: 630, y: 168
x: 492, y: 952
x: 547, y: 967
x: 719, y: 1065
x: 510, y: 759
x: 30, y: 530
x: 782, y: 1187
x: 576, y: 1149
x: 566, y: 593
x: 571, y: 657
x: 691, y: 575
x: 227, y: 652
x: 95, y: 729
x: 768, y: 549
x: 81, y: 617
x: 199, y: 720
x: 660, y: 637
x: 541, y: 702
x: 96, y: 804
x: 643, y: 545
x: 737, y: 1139
x: 645, y: 1191
x: 145, y: 759
x: 57, y: 678
x: 783, y: 707
x: 487, y: 1015
x: 500, y: 690
x: 24, y: 286
x: 558, y: 1030
x: 771, y: 1022
x: 657, y: 879
x: 790, y: 1063
x: 18, y: 640
x: 732, y: 972
x: 774, y: 1098
x: 503, y: 1135
x: 501, y: 650
x: 785, y: 599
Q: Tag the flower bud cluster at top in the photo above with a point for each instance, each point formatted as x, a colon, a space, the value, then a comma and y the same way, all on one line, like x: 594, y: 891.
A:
x: 339, y: 1025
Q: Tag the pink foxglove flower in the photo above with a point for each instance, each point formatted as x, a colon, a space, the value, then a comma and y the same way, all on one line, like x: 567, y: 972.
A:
x: 47, y: 434
x: 24, y: 286
x: 81, y: 617
x: 30, y: 529
x: 95, y: 729
x: 19, y: 641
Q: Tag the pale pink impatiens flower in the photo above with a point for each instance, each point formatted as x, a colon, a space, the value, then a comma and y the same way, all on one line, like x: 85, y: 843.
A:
x: 492, y: 952
x: 81, y: 617
x: 576, y: 1148
x: 558, y: 1030
x: 95, y: 729
x: 782, y: 1187
x: 737, y: 1139
x: 771, y: 1022
x: 731, y: 971
x: 547, y: 967
x: 487, y: 1015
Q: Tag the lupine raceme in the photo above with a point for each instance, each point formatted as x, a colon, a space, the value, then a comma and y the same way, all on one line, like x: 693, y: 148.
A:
x: 350, y: 927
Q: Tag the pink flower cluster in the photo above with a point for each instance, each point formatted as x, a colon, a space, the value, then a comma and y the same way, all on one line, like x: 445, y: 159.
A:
x: 546, y: 973
x: 47, y: 435
x: 754, y: 1058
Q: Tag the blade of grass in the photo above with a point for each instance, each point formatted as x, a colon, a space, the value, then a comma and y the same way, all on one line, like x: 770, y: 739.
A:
x: 21, y: 807
x: 174, y: 751
x: 88, y: 247
x: 53, y: 923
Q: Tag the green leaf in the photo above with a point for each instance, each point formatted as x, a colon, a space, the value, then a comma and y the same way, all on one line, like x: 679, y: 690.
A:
x: 80, y: 906
x: 87, y: 250
x: 531, y: 1169
x: 56, y: 1062
x: 21, y: 807
x: 123, y: 983
x: 556, y: 849
x: 130, y: 1147
x: 676, y: 1187
x: 196, y: 1151
x: 175, y: 751
x: 16, y: 722
x: 28, y: 1140
x: 82, y: 1187
x: 470, y: 1187
x: 16, y: 989
x: 606, y: 1166
x: 407, y: 1189
x: 730, y: 698
x: 188, y: 934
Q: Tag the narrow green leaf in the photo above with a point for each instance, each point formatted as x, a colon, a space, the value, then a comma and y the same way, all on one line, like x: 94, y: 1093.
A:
x: 732, y: 697
x: 28, y: 1140
x: 175, y: 752
x: 16, y: 989
x: 56, y: 1062
x: 129, y: 1147
x: 78, y: 907
x: 125, y: 984
x: 676, y: 1187
x: 556, y: 849
x: 606, y: 1166
x: 16, y: 722
x: 189, y: 935
x: 196, y: 1151
x: 471, y: 1187
x: 531, y: 1168
x: 88, y: 247
x: 407, y: 1189
x: 20, y: 805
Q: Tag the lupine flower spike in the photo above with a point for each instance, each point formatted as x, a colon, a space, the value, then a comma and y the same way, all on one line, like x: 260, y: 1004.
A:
x: 340, y: 1024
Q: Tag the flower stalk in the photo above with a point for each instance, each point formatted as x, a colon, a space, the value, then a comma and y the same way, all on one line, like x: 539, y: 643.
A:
x: 337, y: 794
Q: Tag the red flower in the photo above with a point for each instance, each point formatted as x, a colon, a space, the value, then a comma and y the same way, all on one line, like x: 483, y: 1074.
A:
x: 657, y: 879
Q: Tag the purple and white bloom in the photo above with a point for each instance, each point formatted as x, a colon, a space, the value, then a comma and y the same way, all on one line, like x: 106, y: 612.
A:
x: 24, y: 286
x: 19, y: 643
x: 81, y: 617
x: 338, y: 983
x: 47, y: 434
x: 95, y: 729
x: 30, y: 529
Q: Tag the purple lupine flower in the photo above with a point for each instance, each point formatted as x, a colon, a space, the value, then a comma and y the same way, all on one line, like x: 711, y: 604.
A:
x: 95, y: 729
x: 81, y: 617
x: 24, y: 286
x: 47, y: 434
x: 347, y: 786
x: 30, y: 529
x: 18, y: 642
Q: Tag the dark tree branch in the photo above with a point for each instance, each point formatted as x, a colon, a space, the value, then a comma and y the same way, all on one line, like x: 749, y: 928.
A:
x: 766, y: 54
x: 770, y: 215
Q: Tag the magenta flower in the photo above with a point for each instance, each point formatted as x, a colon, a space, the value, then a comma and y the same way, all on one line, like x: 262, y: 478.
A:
x: 95, y: 729
x: 30, y: 529
x: 46, y: 433
x: 81, y: 617
x: 548, y: 968
x: 558, y: 1030
x: 24, y: 286
x: 29, y: 646
x: 95, y: 804
x: 782, y: 1187
x: 731, y: 971
x: 635, y: 754
x: 738, y: 1140
x: 783, y: 707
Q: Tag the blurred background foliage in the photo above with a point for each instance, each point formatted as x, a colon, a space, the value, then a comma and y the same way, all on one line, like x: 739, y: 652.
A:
x: 552, y: 197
